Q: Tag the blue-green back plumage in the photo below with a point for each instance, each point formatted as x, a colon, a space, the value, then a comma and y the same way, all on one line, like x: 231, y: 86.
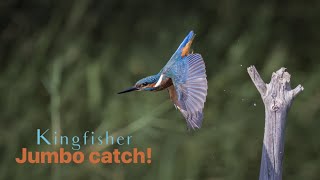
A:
x: 171, y: 64
x: 189, y: 79
x: 186, y: 72
x: 188, y: 75
x: 177, y: 55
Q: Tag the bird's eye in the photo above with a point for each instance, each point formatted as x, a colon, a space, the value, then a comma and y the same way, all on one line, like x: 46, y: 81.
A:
x: 145, y: 84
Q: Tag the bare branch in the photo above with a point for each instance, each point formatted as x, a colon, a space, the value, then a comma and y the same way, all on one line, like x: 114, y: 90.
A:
x: 277, y: 98
x: 297, y: 90
x: 256, y: 79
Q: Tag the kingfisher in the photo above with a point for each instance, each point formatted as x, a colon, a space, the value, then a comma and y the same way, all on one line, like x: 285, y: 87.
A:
x: 184, y: 76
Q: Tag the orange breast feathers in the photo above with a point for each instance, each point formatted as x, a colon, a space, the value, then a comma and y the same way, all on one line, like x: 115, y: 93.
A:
x: 185, y: 50
x: 151, y: 85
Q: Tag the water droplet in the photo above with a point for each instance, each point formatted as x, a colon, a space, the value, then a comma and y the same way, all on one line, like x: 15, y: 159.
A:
x: 240, y: 64
x: 254, y: 104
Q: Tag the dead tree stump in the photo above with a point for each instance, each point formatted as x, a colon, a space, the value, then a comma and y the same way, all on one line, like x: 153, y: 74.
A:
x: 277, y: 97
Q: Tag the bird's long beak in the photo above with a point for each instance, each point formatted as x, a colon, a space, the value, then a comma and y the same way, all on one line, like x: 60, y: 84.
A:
x: 128, y: 90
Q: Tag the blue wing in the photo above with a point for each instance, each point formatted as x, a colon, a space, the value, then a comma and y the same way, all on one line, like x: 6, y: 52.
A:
x: 190, y: 88
x: 182, y: 51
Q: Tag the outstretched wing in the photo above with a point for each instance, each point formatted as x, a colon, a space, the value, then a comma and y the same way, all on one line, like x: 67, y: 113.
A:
x: 190, y: 89
x: 181, y: 52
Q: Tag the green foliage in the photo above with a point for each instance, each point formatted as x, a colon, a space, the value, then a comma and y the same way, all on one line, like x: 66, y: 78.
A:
x: 62, y: 63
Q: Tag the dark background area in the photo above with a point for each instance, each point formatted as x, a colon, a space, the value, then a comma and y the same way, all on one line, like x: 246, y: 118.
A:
x: 62, y: 63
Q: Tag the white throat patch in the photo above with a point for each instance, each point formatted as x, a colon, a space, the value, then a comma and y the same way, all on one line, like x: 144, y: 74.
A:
x: 159, y: 81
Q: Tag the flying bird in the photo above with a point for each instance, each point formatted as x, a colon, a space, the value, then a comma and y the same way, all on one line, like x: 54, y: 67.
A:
x: 184, y: 76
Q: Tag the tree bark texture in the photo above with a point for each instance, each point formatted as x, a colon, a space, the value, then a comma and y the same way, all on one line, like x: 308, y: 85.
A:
x: 277, y: 97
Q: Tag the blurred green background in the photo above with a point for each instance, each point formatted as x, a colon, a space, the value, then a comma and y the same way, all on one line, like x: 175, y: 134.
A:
x: 62, y: 63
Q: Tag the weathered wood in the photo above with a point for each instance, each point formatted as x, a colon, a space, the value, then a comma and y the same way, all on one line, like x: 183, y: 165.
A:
x: 277, y: 97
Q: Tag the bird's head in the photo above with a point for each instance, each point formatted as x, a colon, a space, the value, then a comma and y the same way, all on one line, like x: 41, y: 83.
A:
x: 145, y: 84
